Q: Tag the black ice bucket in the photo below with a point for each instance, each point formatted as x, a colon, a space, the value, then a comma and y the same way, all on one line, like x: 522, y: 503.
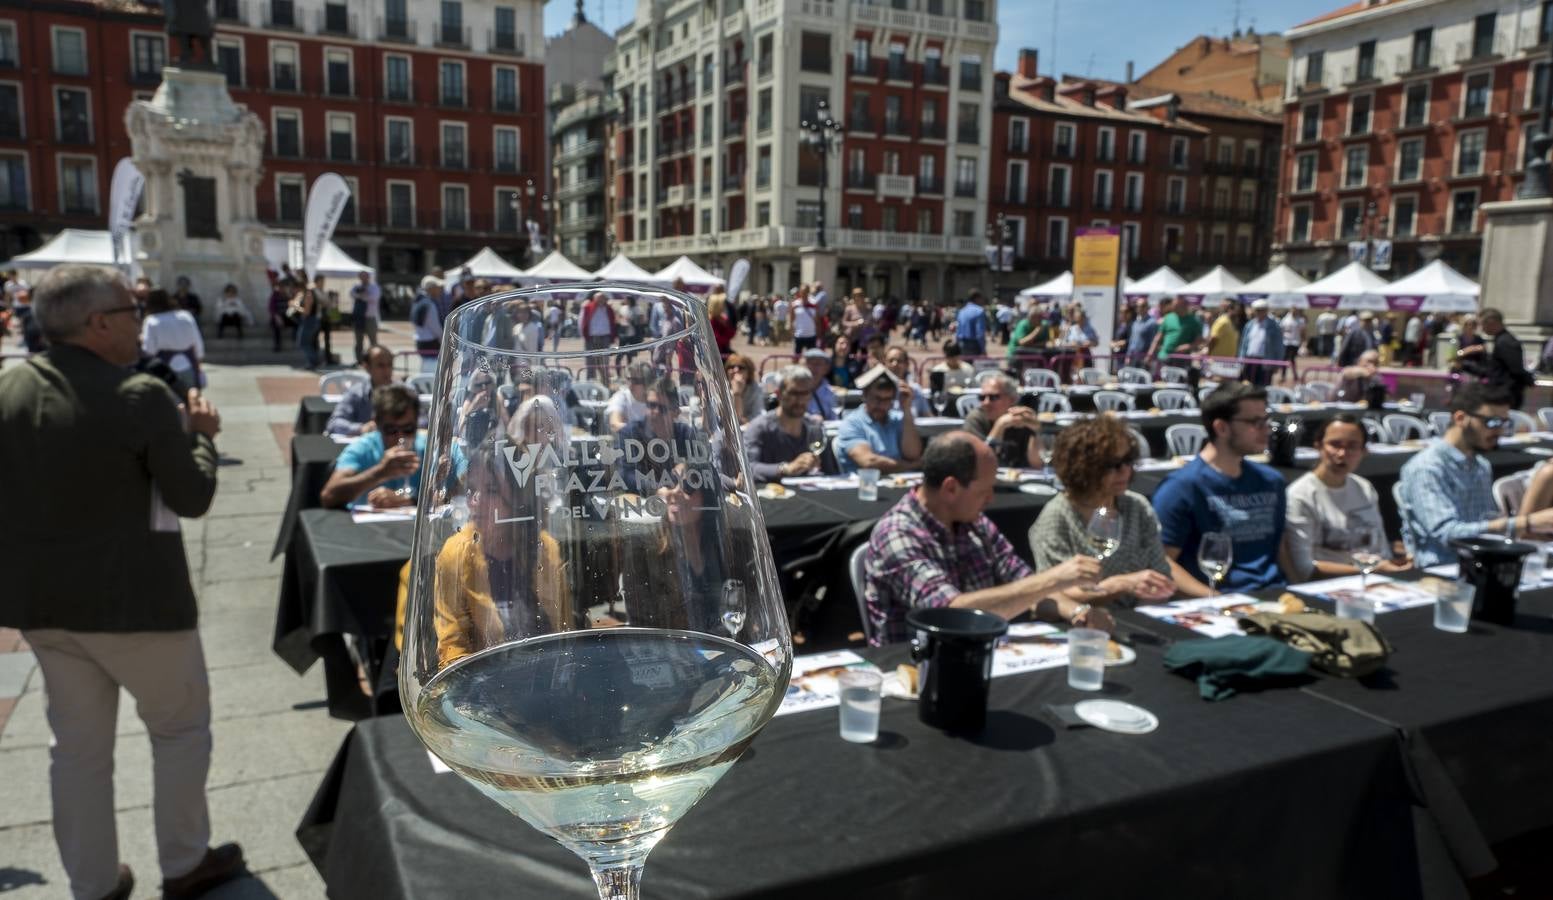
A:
x: 953, y: 652
x: 1492, y: 565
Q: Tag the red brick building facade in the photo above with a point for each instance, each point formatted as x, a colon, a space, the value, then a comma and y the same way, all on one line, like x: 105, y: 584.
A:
x: 436, y: 125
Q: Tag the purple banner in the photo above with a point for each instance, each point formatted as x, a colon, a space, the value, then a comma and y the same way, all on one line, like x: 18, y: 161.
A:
x: 1405, y: 304
x: 1329, y: 301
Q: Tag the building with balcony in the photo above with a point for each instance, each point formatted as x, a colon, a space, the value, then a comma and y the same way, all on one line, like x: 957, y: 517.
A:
x: 433, y: 113
x: 1078, y: 154
x: 1400, y: 120
x: 579, y: 123
x: 708, y: 153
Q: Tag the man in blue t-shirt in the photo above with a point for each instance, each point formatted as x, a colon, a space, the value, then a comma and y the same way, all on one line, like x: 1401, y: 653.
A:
x: 376, y: 467
x: 1220, y: 490
x: 970, y: 326
x: 882, y: 434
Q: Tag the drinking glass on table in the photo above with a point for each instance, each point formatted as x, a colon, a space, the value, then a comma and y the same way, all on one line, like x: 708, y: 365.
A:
x: 600, y: 737
x: 1367, y: 558
x: 1215, y: 555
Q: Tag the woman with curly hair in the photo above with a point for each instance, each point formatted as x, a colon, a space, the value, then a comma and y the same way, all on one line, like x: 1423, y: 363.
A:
x: 1095, y: 460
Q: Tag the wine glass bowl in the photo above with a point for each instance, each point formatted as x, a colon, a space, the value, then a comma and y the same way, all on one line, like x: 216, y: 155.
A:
x: 1215, y: 556
x: 594, y: 630
x: 1105, y: 533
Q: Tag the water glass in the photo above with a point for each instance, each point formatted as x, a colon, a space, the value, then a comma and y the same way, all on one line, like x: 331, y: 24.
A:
x: 1352, y: 605
x: 1532, y: 569
x: 1453, y: 607
x: 868, y: 484
x: 1417, y: 399
x: 860, y: 692
x: 1086, y: 658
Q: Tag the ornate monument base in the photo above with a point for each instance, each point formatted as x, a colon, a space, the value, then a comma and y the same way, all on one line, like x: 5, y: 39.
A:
x: 202, y: 156
x: 1517, y: 273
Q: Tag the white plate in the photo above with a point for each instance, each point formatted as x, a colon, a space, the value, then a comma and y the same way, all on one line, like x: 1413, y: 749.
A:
x: 1114, y: 715
x: 1039, y: 490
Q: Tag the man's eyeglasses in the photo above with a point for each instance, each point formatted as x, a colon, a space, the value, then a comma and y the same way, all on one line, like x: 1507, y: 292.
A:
x: 132, y: 308
x: 398, y: 429
x: 1493, y: 423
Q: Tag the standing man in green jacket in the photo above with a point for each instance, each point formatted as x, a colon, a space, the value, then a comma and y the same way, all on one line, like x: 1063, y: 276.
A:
x: 103, y: 464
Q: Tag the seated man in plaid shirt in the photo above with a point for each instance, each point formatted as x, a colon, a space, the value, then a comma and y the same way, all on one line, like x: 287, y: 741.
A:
x: 935, y: 548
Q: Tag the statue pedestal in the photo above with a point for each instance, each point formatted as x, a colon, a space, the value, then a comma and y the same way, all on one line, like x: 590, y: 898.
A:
x: 1517, y: 272
x: 202, y: 157
x: 818, y: 264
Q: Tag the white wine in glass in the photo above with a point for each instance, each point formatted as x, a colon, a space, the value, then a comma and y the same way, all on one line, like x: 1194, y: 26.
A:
x: 594, y: 643
x: 1215, y: 556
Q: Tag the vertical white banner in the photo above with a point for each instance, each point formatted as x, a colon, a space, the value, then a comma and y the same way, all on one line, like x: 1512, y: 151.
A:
x: 736, y: 278
x: 123, y: 197
x: 325, y: 203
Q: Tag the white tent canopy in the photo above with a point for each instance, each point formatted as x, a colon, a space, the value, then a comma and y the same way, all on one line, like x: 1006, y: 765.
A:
x: 1352, y: 287
x: 486, y: 264
x: 695, y: 278
x: 1215, y: 287
x: 1434, y: 287
x: 1162, y: 282
x: 1280, y: 288
x: 73, y: 245
x: 1061, y: 286
x: 557, y: 268
x: 621, y: 268
x: 332, y: 262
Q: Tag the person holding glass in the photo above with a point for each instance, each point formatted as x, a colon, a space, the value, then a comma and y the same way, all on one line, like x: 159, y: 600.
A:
x: 786, y: 441
x: 1012, y: 431
x: 1222, y: 491
x: 879, y: 435
x: 661, y: 424
x: 381, y: 468
x: 1334, y: 513
x: 1094, y: 459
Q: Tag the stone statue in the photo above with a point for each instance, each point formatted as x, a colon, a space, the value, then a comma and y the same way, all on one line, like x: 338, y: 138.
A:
x: 190, y: 20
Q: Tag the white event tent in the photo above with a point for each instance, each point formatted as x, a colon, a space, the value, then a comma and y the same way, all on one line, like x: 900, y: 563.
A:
x: 1352, y: 287
x: 486, y: 264
x: 621, y: 268
x: 1162, y: 282
x: 332, y: 262
x: 1435, y: 287
x: 72, y: 245
x: 697, y: 280
x: 1213, y: 288
x: 1279, y: 287
x: 1061, y: 286
x: 555, y: 269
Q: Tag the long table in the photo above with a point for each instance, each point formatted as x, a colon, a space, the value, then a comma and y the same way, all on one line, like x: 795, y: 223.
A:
x: 1396, y: 785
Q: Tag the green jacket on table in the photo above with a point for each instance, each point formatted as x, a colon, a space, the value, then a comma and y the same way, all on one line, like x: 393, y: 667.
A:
x: 95, y: 468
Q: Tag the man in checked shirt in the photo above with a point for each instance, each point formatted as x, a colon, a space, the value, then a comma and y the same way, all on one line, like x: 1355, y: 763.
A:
x: 936, y: 548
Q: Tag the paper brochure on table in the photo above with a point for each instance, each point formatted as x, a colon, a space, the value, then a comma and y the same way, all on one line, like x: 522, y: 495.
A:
x: 814, y: 685
x: 363, y: 515
x: 1388, y: 595
x: 1030, y: 646
x: 1210, y: 616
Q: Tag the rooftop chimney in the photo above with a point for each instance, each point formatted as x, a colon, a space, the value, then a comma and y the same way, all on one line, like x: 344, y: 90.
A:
x: 1028, y: 59
x: 1129, y: 71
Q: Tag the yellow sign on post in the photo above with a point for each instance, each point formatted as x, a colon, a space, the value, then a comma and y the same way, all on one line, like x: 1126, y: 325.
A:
x: 1097, y: 259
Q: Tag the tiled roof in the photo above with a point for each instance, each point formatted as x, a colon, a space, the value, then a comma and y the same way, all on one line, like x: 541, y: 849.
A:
x: 1349, y: 10
x: 1022, y: 91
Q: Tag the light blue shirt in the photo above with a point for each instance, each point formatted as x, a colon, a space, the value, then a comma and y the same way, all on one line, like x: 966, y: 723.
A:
x: 971, y: 322
x: 1445, y: 495
x: 858, y: 427
x: 367, y: 451
x: 823, y: 403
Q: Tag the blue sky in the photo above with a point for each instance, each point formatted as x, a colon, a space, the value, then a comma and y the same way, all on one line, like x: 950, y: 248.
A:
x: 1089, y: 41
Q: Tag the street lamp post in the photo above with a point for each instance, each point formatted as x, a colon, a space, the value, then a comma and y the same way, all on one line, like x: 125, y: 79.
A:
x: 823, y: 134
x: 528, y: 190
x: 998, y: 230
x: 1536, y: 185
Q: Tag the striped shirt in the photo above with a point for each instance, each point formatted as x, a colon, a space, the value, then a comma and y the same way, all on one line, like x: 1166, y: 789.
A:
x: 1446, y: 494
x: 914, y: 561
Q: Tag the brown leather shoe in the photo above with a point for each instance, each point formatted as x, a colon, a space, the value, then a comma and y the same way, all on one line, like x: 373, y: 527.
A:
x: 125, y: 886
x: 220, y: 865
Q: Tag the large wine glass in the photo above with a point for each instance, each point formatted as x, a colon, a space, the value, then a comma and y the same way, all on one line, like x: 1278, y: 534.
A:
x: 568, y: 647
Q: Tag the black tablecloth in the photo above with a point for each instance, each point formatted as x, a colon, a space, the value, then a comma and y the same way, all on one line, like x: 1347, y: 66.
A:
x: 312, y: 456
x: 313, y: 414
x: 1269, y: 795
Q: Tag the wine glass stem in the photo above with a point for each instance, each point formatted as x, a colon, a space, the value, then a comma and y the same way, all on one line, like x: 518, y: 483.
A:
x: 1364, y: 582
x: 623, y: 882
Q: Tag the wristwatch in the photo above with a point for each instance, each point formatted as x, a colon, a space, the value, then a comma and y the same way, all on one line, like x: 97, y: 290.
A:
x: 1083, y: 610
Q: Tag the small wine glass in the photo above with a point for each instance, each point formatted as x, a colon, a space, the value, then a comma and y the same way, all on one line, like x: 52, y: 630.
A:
x: 600, y: 737
x: 1215, y: 555
x: 1105, y: 533
x: 1366, y: 556
x: 817, y: 447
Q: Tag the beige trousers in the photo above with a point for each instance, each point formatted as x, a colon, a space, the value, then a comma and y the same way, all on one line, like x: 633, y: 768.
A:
x: 165, y: 672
